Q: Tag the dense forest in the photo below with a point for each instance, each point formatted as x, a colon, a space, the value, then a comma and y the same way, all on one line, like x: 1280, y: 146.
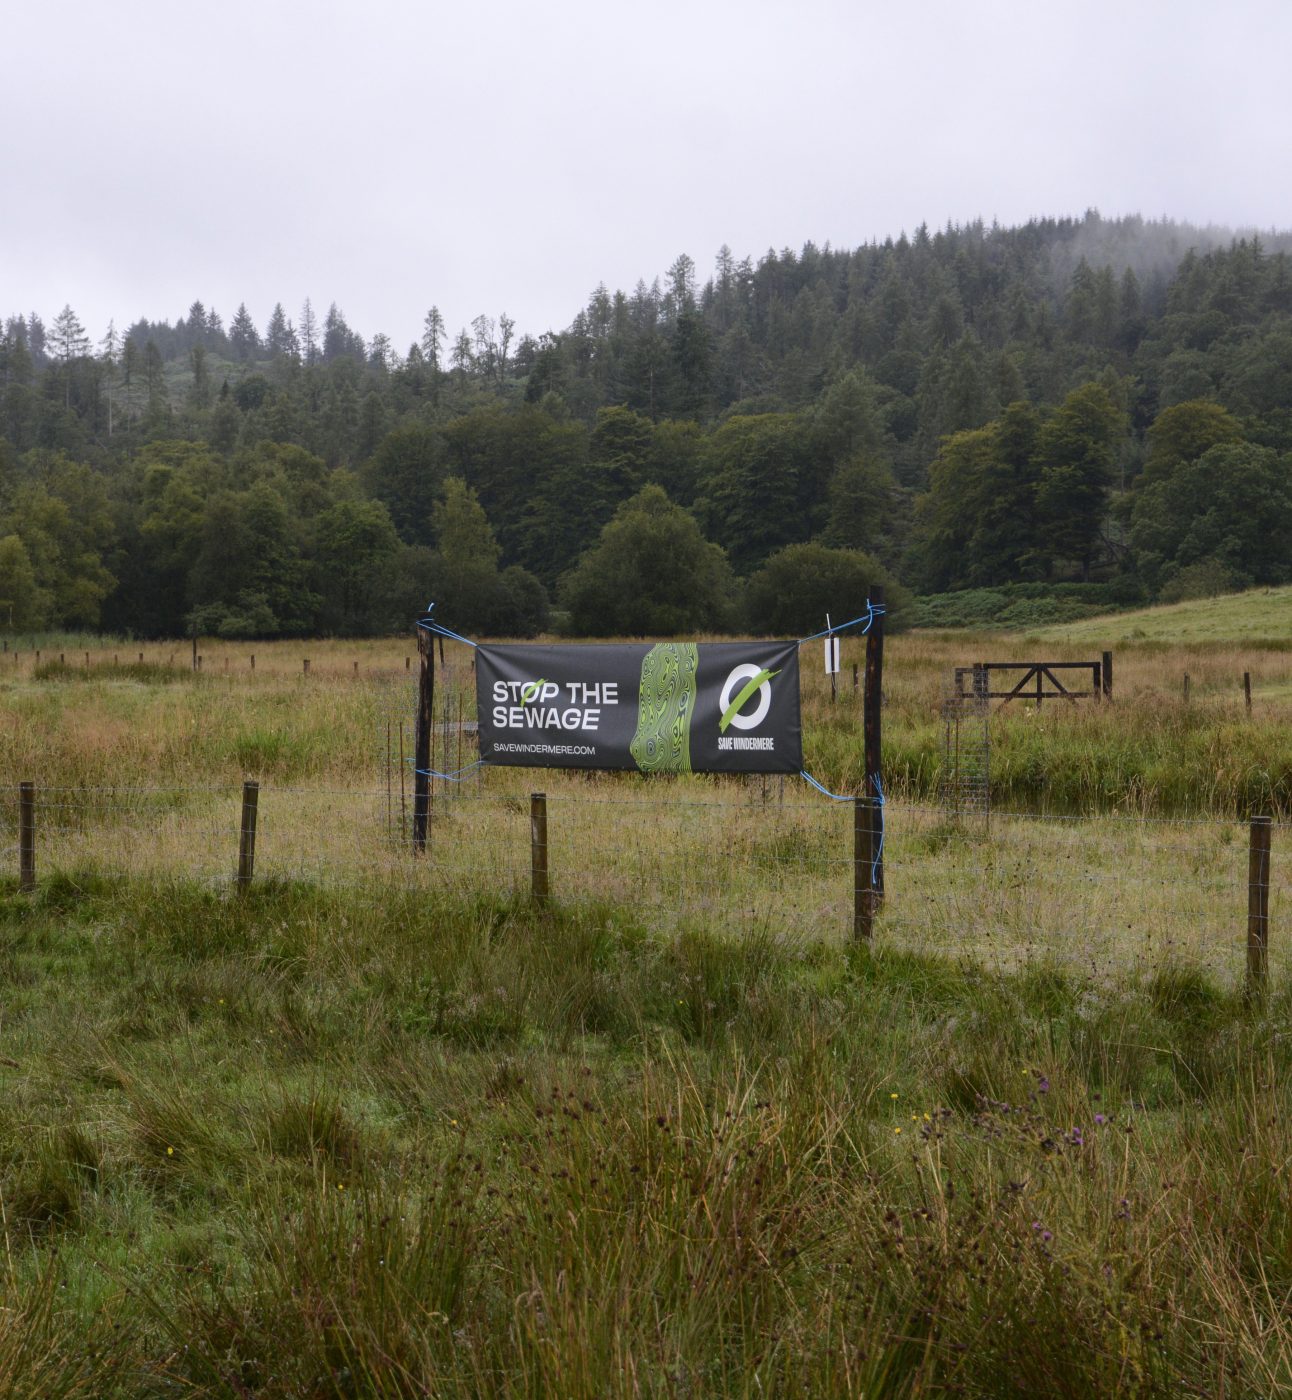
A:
x: 1088, y: 410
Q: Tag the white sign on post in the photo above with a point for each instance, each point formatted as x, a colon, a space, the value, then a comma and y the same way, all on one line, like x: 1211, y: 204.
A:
x: 831, y: 652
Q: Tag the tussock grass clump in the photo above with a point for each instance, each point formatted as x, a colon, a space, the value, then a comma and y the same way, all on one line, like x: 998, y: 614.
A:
x: 139, y: 672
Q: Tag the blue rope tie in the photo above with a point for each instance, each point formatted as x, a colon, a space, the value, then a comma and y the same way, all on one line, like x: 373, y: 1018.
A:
x: 429, y: 624
x: 873, y: 610
x: 833, y: 796
x: 880, y: 802
x: 879, y: 849
x: 439, y: 630
x: 457, y: 776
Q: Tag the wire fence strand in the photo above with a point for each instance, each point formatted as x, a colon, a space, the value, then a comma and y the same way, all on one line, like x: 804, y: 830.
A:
x: 1106, y: 894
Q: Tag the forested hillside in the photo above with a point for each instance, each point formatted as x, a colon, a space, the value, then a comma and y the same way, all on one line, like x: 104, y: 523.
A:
x: 1080, y: 401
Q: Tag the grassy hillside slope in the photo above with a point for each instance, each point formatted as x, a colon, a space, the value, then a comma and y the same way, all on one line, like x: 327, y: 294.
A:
x: 1259, y: 615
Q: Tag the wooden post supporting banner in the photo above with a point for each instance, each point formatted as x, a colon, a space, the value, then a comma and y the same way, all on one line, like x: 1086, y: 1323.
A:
x: 538, y: 846
x: 1106, y: 675
x: 872, y: 704
x: 247, y: 834
x: 1258, y: 905
x: 27, y: 837
x: 422, y: 738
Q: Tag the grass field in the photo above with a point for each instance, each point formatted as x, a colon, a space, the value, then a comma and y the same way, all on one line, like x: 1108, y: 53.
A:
x: 1262, y: 615
x: 384, y: 1127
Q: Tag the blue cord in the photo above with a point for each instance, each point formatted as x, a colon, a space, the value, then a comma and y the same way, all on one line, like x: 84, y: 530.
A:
x: 457, y: 776
x: 439, y: 630
x: 873, y: 610
x: 848, y: 797
x: 879, y: 849
x: 833, y: 796
x: 428, y: 624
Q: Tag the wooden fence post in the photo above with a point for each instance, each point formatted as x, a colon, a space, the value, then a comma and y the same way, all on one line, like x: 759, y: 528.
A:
x: 422, y: 738
x: 1258, y: 905
x: 538, y: 846
x: 27, y: 837
x: 247, y: 835
x: 1247, y: 690
x: 307, y: 666
x: 1106, y: 675
x: 872, y: 707
x: 1186, y: 687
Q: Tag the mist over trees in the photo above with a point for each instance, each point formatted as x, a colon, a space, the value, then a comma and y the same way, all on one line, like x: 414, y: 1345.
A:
x: 1092, y: 401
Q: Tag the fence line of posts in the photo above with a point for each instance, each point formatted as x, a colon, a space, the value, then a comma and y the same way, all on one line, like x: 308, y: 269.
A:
x: 1105, y: 673
x: 867, y: 813
x: 868, y: 805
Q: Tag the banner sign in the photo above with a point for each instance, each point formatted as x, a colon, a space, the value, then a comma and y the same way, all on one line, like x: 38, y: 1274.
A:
x: 675, y: 707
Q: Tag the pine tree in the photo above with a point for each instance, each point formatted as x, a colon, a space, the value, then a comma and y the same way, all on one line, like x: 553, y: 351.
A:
x: 309, y: 333
x: 69, y: 342
x: 243, y: 340
x: 109, y: 353
x: 433, y: 338
x: 280, y: 335
x: 68, y: 338
x: 195, y: 325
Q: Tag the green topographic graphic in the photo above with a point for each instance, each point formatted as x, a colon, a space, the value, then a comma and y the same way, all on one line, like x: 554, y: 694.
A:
x: 662, y: 743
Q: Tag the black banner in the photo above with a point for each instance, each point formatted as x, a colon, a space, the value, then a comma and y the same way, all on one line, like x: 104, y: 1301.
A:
x: 675, y: 707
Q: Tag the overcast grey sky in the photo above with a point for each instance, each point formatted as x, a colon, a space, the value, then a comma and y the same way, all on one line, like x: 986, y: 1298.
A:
x: 507, y: 157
